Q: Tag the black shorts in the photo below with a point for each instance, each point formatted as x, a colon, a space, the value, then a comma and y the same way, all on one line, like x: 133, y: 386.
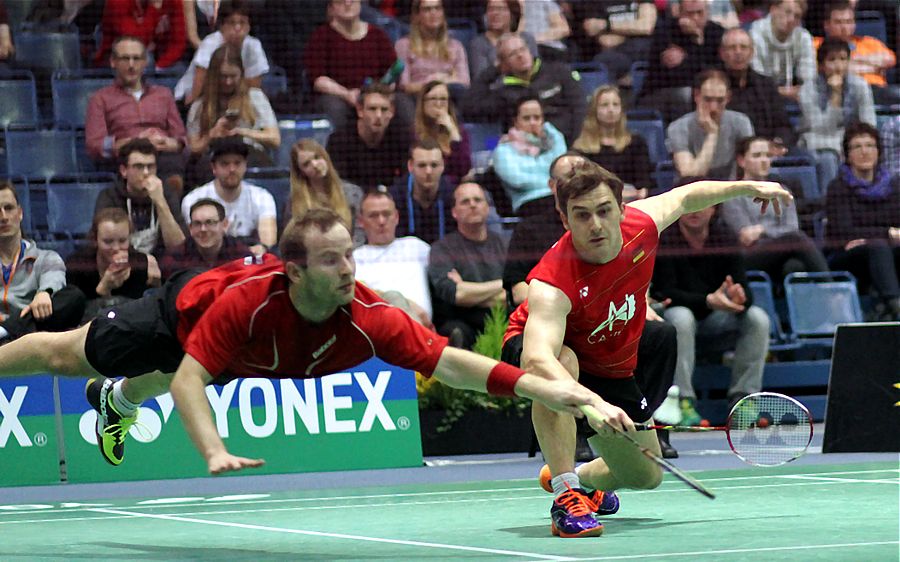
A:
x: 623, y: 393
x: 139, y: 336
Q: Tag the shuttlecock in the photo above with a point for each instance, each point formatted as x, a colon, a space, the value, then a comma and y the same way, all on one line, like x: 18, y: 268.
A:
x: 669, y: 412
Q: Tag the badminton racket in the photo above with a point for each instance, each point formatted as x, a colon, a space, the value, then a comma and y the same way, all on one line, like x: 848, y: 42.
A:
x: 598, y: 418
x: 763, y: 429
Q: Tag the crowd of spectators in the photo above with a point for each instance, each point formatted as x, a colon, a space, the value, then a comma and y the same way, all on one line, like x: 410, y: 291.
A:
x: 736, y: 86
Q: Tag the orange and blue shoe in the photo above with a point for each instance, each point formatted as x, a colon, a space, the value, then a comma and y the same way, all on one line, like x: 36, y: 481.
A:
x: 572, y: 515
x: 605, y: 503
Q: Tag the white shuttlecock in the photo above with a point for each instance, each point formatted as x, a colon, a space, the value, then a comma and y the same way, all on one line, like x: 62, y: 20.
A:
x: 669, y: 412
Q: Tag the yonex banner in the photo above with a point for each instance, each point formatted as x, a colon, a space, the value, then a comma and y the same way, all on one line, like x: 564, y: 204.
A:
x: 366, y: 417
x: 29, y: 452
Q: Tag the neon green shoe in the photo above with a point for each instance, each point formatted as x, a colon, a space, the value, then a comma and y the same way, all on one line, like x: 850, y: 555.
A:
x: 689, y: 414
x: 112, y: 427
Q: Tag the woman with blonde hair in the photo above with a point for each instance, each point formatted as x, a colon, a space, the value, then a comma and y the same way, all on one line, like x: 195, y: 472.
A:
x: 606, y: 140
x: 436, y: 120
x: 229, y: 106
x: 429, y: 52
x: 315, y: 184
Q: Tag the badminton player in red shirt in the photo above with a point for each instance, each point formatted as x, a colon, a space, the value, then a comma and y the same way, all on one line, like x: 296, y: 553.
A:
x: 583, y: 318
x: 302, y: 317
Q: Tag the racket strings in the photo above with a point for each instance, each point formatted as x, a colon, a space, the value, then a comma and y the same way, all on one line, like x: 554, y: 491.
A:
x: 769, y: 429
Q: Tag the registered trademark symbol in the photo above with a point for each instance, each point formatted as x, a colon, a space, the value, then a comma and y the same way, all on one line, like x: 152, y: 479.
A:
x: 403, y: 422
x: 40, y: 439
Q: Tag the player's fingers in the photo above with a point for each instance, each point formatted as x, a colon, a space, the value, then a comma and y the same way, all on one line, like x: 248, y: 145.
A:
x: 25, y: 311
x: 776, y: 206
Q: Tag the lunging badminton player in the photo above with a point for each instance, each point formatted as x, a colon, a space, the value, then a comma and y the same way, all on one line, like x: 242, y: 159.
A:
x: 305, y: 316
x: 584, y: 315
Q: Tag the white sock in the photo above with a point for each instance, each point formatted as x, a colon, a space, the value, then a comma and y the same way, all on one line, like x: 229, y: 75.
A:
x: 123, y: 405
x: 559, y: 482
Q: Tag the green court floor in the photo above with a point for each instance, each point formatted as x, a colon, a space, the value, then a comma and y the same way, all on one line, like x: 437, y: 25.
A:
x: 828, y: 512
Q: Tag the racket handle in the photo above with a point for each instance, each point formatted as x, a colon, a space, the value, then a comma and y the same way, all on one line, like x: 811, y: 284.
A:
x: 678, y: 428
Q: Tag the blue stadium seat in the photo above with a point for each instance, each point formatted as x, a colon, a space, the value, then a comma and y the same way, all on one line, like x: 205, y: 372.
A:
x: 592, y: 76
x: 654, y: 133
x: 275, y: 82
x: 483, y: 138
x: 884, y: 113
x: 296, y: 127
x: 871, y: 23
x: 394, y: 28
x: 278, y: 182
x: 818, y: 302
x: 40, y: 153
x: 801, y: 171
x: 72, y: 90
x: 71, y: 201
x: 48, y: 51
x: 18, y: 98
x: 164, y: 78
x: 665, y: 176
x: 462, y: 29
x: 760, y: 284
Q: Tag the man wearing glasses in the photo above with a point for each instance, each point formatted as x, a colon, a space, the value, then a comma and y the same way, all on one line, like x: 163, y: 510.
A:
x: 141, y: 194
x: 131, y: 108
x: 208, y: 244
x: 250, y: 208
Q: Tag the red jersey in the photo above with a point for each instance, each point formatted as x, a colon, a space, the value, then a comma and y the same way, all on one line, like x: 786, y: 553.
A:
x: 608, y: 300
x: 237, y: 320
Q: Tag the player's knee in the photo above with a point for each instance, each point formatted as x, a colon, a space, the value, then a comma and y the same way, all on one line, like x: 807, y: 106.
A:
x: 649, y: 479
x: 569, y: 360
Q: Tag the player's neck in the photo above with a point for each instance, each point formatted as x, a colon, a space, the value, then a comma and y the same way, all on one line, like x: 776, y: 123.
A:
x: 311, y: 309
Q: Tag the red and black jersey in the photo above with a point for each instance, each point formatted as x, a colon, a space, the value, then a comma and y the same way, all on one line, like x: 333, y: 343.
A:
x: 238, y: 321
x: 608, y: 300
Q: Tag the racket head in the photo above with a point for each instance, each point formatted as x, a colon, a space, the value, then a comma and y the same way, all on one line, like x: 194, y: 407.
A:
x: 769, y: 429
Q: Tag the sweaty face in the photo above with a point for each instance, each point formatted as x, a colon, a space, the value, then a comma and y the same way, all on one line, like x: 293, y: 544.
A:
x: 229, y: 170
x: 712, y: 98
x: 609, y: 109
x: 594, y: 220
x: 128, y: 61
x: 207, y: 230
x: 376, y: 113
x: 330, y: 270
x: 756, y: 162
x: 378, y: 217
x: 427, y: 166
x: 736, y: 50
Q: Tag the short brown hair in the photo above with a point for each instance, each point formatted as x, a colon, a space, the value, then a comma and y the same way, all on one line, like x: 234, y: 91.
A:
x: 376, y: 88
x: 115, y: 215
x: 293, y: 239
x: 6, y: 184
x: 584, y: 179
x: 144, y: 146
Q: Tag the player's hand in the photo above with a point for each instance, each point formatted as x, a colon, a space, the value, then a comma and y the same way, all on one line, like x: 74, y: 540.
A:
x: 223, y: 462
x: 616, y: 419
x: 155, y: 192
x: 749, y: 235
x: 41, y: 306
x: 769, y: 193
x: 454, y: 276
x: 735, y: 291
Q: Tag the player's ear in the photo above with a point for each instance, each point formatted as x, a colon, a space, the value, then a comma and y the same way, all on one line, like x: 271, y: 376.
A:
x: 293, y: 271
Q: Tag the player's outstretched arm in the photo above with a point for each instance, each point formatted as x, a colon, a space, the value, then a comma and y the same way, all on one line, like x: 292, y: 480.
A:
x: 188, y: 390
x: 463, y: 369
x: 666, y: 208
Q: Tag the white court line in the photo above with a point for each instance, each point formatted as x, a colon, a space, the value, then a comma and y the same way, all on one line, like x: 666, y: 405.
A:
x: 419, y: 503
x: 853, y: 480
x: 336, y: 535
x: 740, y: 551
x: 670, y: 483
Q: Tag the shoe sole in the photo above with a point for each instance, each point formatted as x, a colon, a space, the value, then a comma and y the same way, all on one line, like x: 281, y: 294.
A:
x: 596, y: 532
